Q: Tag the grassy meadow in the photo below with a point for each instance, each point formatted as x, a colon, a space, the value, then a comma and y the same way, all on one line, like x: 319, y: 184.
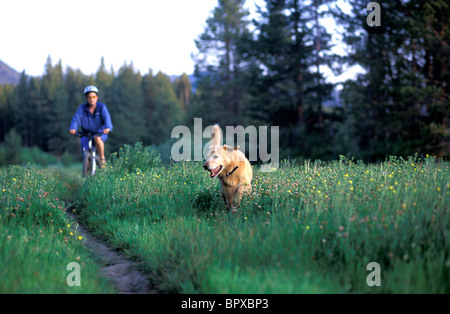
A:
x: 37, y: 239
x: 309, y: 228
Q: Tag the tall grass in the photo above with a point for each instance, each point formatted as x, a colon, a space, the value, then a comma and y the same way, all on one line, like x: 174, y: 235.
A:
x: 37, y: 239
x: 305, y: 229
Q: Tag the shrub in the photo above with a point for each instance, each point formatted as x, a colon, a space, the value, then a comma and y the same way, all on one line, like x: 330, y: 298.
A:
x: 67, y: 159
x: 35, y: 155
x: 133, y: 157
x: 11, y: 151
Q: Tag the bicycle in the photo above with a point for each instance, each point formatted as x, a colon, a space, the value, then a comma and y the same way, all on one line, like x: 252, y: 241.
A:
x: 90, y: 160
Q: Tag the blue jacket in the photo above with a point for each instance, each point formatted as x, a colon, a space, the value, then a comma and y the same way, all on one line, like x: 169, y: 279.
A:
x: 88, y: 122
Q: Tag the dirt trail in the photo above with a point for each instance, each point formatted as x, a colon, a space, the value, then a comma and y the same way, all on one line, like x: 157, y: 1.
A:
x: 118, y: 269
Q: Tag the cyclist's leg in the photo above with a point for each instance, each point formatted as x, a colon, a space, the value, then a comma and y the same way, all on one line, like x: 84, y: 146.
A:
x: 100, y: 146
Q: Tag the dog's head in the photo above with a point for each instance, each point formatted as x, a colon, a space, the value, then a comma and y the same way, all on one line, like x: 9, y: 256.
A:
x: 215, y: 161
x: 220, y: 158
x: 215, y: 157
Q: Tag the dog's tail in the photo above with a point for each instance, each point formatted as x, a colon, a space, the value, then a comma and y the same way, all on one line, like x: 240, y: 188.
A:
x: 216, y: 136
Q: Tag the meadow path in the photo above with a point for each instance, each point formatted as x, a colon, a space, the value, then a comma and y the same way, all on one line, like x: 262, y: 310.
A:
x: 118, y: 269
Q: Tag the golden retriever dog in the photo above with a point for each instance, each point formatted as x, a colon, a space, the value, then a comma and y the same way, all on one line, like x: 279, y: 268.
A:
x: 231, y: 167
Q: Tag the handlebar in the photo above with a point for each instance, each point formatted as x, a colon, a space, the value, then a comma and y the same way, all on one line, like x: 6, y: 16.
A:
x: 87, y: 134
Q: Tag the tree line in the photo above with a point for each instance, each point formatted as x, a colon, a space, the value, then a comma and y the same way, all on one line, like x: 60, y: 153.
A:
x: 143, y: 107
x: 267, y: 71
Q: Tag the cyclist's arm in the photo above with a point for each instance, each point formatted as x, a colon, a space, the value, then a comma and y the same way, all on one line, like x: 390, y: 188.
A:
x: 107, y: 119
x: 76, y: 121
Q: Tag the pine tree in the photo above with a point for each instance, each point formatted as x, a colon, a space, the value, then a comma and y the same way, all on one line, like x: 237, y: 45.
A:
x: 57, y: 109
x: 38, y: 102
x: 127, y: 108
x: 148, y: 87
x: 219, y: 63
x: 435, y: 27
x: 162, y: 109
x: 104, y: 81
x: 404, y: 103
x: 75, y: 82
x: 6, y: 109
x: 287, y: 87
x: 22, y: 111
x: 183, y: 90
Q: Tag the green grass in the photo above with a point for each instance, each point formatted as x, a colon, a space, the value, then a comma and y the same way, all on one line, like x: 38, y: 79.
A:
x: 309, y: 228
x: 305, y: 229
x: 37, y: 239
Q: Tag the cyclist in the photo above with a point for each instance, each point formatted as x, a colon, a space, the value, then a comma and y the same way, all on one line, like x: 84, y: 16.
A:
x: 93, y: 117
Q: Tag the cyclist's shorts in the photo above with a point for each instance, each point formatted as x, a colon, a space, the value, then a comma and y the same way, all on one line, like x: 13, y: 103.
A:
x: 85, y: 143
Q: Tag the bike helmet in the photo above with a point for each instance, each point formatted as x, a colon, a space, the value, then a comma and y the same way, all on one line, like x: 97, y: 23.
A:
x: 91, y: 88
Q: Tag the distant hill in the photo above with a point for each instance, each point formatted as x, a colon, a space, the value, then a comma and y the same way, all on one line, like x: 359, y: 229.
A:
x: 8, y: 75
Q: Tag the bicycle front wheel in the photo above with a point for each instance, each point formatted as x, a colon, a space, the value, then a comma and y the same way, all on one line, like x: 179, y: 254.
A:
x: 87, y: 164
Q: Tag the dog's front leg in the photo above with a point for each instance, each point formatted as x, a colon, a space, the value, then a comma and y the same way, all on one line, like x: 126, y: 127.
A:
x: 229, y: 202
x: 240, y: 190
x: 228, y: 197
x: 224, y: 198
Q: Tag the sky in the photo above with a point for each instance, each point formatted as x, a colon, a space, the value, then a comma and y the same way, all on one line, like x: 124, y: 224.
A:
x: 152, y: 34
